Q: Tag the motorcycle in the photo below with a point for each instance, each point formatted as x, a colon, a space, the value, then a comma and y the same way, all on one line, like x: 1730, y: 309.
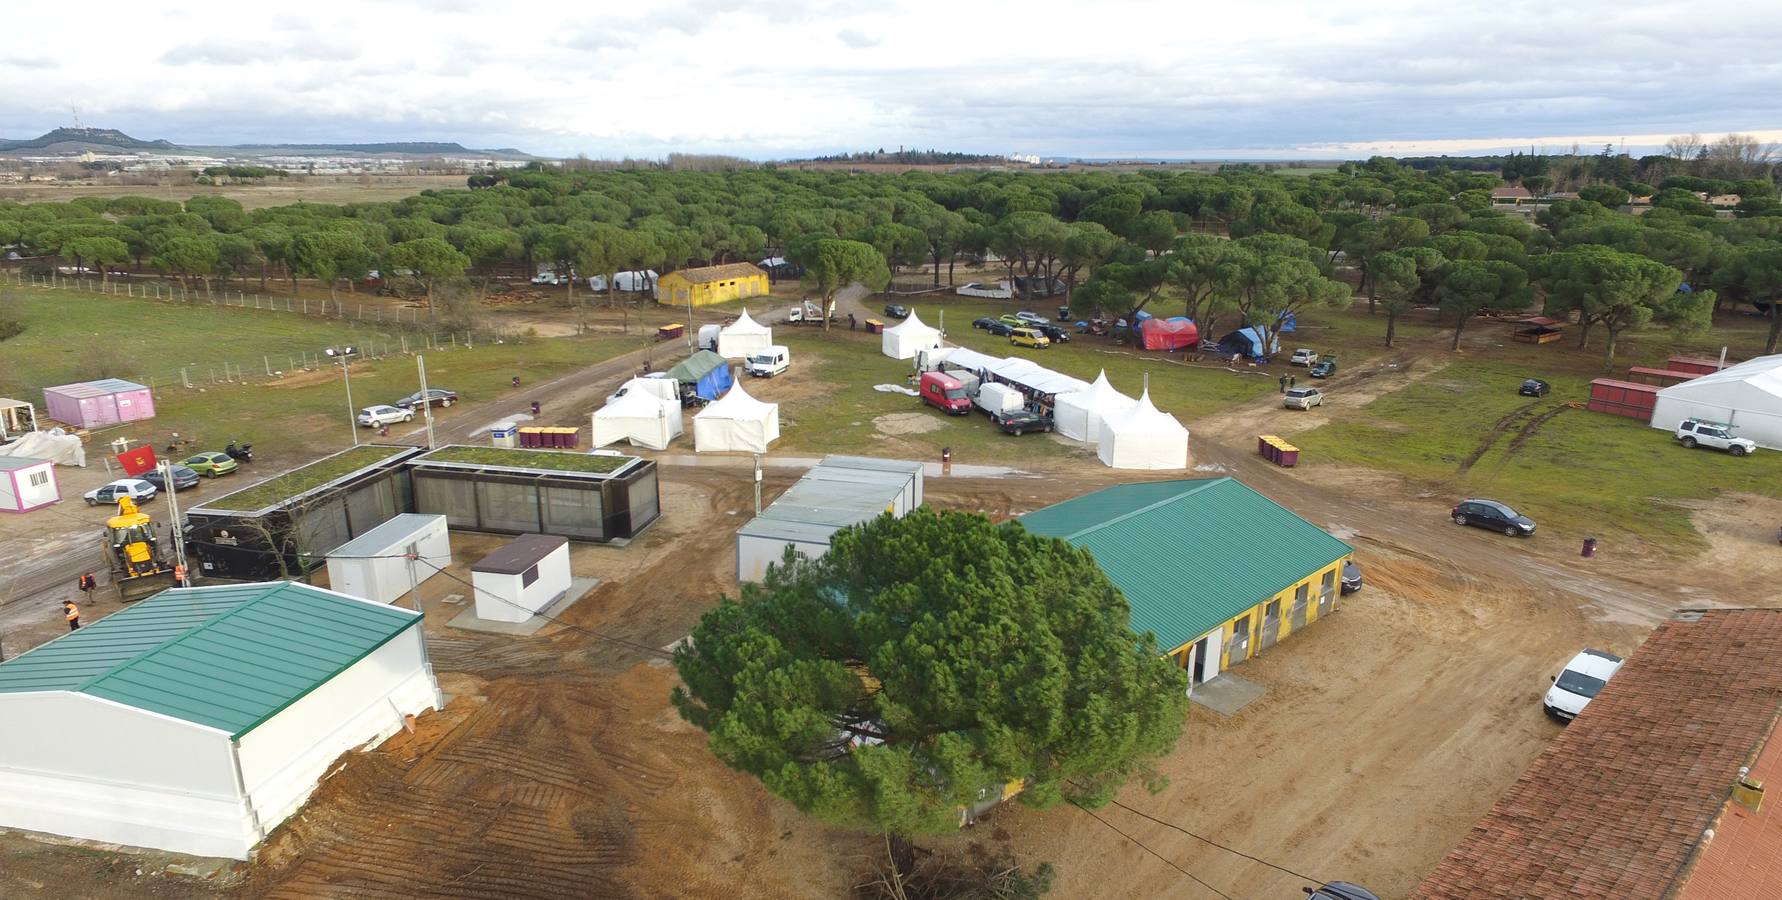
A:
x: 243, y: 453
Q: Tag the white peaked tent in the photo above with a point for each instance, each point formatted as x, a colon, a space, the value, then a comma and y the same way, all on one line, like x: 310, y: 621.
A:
x: 910, y: 337
x: 743, y: 337
x: 1747, y: 396
x: 736, y: 421
x: 641, y: 417
x: 1143, y: 438
x: 666, y: 388
x: 1079, y: 414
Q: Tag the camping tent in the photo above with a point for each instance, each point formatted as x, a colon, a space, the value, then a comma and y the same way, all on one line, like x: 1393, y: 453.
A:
x: 1143, y: 438
x: 736, y: 421
x: 1247, y: 342
x: 909, y: 337
x: 641, y: 417
x: 706, y: 371
x: 1747, y: 396
x: 743, y: 337
x: 1169, y: 334
x: 1079, y: 414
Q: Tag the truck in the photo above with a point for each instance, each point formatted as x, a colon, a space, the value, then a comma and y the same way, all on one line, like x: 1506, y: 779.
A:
x: 945, y: 393
x: 708, y: 337
x: 995, y: 399
x: 808, y: 313
x: 769, y: 362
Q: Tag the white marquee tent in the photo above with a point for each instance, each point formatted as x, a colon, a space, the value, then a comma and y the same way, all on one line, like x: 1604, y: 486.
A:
x: 736, y: 421
x: 1079, y: 414
x: 743, y: 337
x: 1747, y: 396
x: 641, y: 416
x: 910, y: 337
x: 1143, y: 437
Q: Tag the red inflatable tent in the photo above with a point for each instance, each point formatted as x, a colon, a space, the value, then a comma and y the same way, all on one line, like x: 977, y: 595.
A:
x: 1171, y: 334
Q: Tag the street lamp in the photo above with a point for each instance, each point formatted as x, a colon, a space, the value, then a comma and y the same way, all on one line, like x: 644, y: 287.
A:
x: 345, y: 355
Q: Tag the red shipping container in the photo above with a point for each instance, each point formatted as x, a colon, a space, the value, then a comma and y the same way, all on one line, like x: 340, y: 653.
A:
x: 1623, y: 398
x: 1694, y: 365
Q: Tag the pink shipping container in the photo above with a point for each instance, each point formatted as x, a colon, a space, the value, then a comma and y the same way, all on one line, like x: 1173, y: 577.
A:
x: 96, y: 404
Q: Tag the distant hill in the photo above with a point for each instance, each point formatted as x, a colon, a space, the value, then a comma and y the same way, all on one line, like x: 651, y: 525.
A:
x: 76, y: 140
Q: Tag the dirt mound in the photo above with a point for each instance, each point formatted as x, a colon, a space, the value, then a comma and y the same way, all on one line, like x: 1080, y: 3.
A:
x: 906, y: 423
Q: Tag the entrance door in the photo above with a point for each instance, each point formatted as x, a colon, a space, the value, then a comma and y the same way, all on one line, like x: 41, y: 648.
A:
x: 1240, y: 641
x: 1327, y: 593
x: 1301, y: 598
x: 1197, y: 668
x: 1271, y: 625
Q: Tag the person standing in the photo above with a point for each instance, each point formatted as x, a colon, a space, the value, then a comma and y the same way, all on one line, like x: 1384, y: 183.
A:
x: 72, y: 614
x: 1292, y: 381
x: 1283, y: 384
x: 88, y: 584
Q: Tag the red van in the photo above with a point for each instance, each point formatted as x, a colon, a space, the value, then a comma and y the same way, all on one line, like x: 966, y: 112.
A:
x: 945, y: 393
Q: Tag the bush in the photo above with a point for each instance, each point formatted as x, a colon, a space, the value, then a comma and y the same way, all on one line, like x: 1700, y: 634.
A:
x: 980, y: 875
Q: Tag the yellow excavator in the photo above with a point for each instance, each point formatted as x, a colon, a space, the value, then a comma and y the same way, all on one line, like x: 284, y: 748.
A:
x: 137, y: 566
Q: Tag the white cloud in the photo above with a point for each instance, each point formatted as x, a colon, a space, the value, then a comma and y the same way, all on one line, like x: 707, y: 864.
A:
x: 1128, y: 78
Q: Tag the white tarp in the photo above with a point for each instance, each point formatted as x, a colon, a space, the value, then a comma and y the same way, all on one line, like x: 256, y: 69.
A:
x: 1079, y: 414
x: 909, y: 337
x: 736, y: 421
x: 1143, y: 438
x: 641, y: 417
x: 62, y: 448
x: 1747, y: 396
x: 743, y: 337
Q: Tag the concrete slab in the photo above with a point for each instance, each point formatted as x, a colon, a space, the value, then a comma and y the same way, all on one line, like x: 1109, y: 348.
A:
x: 468, y: 621
x: 1226, y: 693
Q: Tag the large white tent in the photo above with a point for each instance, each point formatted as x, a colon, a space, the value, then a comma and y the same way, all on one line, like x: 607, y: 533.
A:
x: 1747, y: 396
x: 910, y: 337
x: 743, y: 337
x: 1143, y: 437
x: 1079, y: 414
x: 736, y: 421
x: 642, y: 417
x: 199, y: 719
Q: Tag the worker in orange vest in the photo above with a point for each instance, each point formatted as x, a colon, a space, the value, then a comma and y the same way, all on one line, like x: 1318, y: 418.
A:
x: 179, y: 575
x: 72, y: 614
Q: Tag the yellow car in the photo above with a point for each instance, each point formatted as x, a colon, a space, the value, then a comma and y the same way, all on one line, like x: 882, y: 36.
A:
x: 1029, y: 337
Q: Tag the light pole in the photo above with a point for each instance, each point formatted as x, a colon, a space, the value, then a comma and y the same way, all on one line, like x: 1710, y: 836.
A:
x: 174, y: 530
x: 345, y: 356
x: 426, y: 405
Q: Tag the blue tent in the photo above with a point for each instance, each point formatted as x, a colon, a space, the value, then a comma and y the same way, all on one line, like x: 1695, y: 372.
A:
x: 1289, y: 324
x: 1246, y: 342
x: 707, y: 372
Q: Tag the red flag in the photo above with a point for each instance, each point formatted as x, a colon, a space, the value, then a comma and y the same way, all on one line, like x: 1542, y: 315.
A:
x: 138, y: 461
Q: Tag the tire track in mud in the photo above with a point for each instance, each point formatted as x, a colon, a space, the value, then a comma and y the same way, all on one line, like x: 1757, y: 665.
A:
x: 1491, y: 438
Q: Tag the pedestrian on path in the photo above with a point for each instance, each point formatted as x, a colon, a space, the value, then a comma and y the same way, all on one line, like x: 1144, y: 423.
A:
x: 72, y: 614
x: 1283, y: 384
x: 1292, y: 381
x: 88, y: 584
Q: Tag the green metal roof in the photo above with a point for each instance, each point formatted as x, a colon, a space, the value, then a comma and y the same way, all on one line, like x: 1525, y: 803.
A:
x: 1190, y: 554
x: 225, y: 657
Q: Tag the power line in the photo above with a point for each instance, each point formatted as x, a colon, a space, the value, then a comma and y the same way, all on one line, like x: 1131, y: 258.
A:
x: 1141, y: 846
x: 1255, y: 859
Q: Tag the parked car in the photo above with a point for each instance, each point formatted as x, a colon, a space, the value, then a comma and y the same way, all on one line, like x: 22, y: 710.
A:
x: 1029, y: 337
x: 1325, y: 367
x: 1351, y: 577
x: 1719, y: 436
x: 945, y: 393
x: 768, y: 363
x: 1303, y: 357
x: 1032, y: 318
x: 1053, y: 333
x: 184, y: 478
x: 1303, y: 398
x: 1493, y: 515
x: 214, y: 464
x: 1340, y: 890
x: 995, y: 326
x: 373, y: 416
x: 1012, y: 320
x: 897, y: 311
x: 1020, y: 421
x: 1534, y: 387
x: 134, y: 488
x: 435, y: 397
x: 1580, y: 680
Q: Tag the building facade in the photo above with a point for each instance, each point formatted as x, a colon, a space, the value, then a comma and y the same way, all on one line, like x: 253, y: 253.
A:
x: 711, y: 284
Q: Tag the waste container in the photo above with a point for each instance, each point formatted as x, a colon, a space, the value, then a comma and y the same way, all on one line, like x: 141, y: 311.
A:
x: 503, y: 435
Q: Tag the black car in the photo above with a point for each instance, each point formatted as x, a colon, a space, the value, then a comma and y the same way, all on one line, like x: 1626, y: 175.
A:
x: 1534, y: 387
x: 897, y: 311
x: 184, y: 479
x: 435, y: 397
x: 1020, y: 421
x: 1493, y: 515
x: 994, y: 326
x: 1351, y: 577
x: 1054, y: 333
x: 1340, y: 890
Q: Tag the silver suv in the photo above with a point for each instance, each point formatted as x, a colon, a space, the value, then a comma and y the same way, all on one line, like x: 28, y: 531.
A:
x: 1302, y: 398
x: 1718, y: 435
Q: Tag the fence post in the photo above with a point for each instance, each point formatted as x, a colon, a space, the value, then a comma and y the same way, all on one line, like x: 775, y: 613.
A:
x: 404, y: 339
x: 268, y: 361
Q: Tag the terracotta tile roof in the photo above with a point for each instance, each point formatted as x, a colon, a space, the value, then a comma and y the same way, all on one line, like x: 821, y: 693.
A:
x: 1745, y: 857
x: 1510, y: 193
x: 724, y: 272
x: 1616, y: 806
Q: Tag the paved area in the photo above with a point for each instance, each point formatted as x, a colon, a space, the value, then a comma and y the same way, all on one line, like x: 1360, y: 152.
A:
x: 1226, y: 694
x: 468, y: 620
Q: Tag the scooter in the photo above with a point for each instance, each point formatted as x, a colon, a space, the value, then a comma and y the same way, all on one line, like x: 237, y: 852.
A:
x: 243, y: 453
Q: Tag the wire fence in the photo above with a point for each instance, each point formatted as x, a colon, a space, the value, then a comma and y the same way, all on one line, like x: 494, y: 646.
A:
x: 177, y: 292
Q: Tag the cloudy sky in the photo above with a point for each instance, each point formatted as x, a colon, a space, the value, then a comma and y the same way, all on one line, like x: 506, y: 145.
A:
x: 1254, y: 78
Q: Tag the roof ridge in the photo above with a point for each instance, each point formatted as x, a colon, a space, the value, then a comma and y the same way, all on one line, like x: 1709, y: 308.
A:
x: 134, y: 658
x: 1200, y: 485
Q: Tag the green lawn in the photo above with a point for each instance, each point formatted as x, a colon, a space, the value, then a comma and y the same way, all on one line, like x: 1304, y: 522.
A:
x: 304, y: 478
x: 529, y: 459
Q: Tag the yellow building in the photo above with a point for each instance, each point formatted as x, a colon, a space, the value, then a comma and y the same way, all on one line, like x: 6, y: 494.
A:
x: 1216, y: 571
x: 711, y: 284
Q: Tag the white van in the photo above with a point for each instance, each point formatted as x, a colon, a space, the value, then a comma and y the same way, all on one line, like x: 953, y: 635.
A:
x: 769, y: 362
x: 1578, y: 682
x: 708, y: 337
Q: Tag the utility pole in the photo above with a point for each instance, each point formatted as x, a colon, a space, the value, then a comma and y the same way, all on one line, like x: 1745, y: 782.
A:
x: 426, y: 403
x: 174, y: 532
x: 412, y: 552
x: 346, y: 358
x: 757, y: 485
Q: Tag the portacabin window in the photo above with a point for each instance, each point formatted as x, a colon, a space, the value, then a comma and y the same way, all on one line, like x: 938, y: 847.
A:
x: 528, y: 576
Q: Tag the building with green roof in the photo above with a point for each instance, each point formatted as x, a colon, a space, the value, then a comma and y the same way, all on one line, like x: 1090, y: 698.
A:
x: 198, y: 719
x: 1215, y: 570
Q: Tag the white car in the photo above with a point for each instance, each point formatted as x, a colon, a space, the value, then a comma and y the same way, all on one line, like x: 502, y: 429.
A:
x: 1579, y: 681
x: 374, y: 416
x: 134, y: 488
x: 1697, y: 433
x: 1303, y: 398
x: 1303, y: 357
x: 1032, y: 318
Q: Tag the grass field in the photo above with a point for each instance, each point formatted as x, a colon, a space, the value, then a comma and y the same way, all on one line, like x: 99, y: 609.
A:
x: 300, y: 188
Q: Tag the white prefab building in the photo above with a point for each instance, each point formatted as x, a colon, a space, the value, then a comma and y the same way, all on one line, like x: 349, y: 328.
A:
x: 837, y: 492
x: 736, y: 421
x: 373, y: 566
x: 743, y: 337
x: 908, y: 338
x: 1747, y: 396
x: 27, y: 484
x: 199, y: 719
x: 1079, y: 414
x: 1143, y: 437
x: 522, y: 578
